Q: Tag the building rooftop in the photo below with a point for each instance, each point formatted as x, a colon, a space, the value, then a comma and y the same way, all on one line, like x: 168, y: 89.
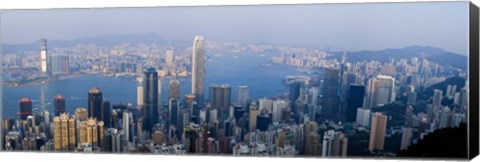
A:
x: 94, y: 90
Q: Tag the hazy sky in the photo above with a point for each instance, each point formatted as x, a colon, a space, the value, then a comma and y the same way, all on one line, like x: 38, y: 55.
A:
x: 339, y: 26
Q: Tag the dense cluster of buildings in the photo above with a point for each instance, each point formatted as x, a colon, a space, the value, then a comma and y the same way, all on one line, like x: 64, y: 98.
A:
x: 316, y: 118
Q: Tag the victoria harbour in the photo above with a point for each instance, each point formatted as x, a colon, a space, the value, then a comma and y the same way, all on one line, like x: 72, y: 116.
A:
x: 232, y: 69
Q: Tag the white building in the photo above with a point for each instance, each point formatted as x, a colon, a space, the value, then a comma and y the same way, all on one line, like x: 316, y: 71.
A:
x: 265, y: 103
x: 278, y: 106
x: 363, y: 117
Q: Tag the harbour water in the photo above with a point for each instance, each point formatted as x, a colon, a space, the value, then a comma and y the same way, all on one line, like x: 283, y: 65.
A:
x: 231, y: 69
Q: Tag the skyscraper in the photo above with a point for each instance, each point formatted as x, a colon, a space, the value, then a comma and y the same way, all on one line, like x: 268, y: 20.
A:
x: 56, y: 60
x: 25, y: 108
x: 312, y: 139
x: 464, y: 101
x: 313, y: 96
x: 334, y: 144
x: 59, y: 64
x: 278, y: 106
x: 294, y: 94
x: 253, y: 113
x: 198, y: 69
x: 100, y: 134
x: 169, y: 57
x: 44, y: 61
x: 106, y: 114
x: 330, y: 106
x: 159, y: 93
x: 59, y: 104
x: 408, y: 116
x: 355, y: 97
x: 88, y: 132
x: 189, y: 100
x: 343, y: 81
x: 242, y: 95
x: 64, y: 135
x: 219, y: 96
x: 184, y: 116
x: 406, y: 138
x: 446, y: 118
x: 140, y: 92
x: 126, y: 124
x: 411, y: 97
x: 191, y: 134
x: 150, y: 98
x: 95, y: 103
x: 263, y: 120
x: 173, y: 109
x: 437, y: 99
x: 46, y: 117
x: 377, y: 132
x: 380, y: 91
x: 174, y: 90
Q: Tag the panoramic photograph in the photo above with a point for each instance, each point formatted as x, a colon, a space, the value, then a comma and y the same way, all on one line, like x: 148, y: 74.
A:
x: 369, y: 80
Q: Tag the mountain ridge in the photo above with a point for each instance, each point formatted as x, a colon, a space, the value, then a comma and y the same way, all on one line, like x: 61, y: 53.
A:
x: 431, y: 53
x: 434, y: 54
x: 101, y: 41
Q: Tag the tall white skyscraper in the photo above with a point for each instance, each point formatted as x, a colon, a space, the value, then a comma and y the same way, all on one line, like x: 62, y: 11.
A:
x: 44, y: 69
x: 46, y: 116
x: 126, y: 124
x: 380, y: 91
x: 242, y: 95
x: 198, y: 69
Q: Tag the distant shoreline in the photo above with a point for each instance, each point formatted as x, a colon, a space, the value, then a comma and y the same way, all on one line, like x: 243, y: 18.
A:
x: 45, y: 81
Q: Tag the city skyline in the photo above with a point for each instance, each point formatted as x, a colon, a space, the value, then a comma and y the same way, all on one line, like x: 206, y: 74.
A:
x: 216, y: 97
x: 263, y: 115
x: 351, y: 27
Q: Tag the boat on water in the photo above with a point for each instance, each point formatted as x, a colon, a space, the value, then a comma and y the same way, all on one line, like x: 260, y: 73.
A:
x: 235, y: 57
x: 74, y: 98
x: 266, y: 65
